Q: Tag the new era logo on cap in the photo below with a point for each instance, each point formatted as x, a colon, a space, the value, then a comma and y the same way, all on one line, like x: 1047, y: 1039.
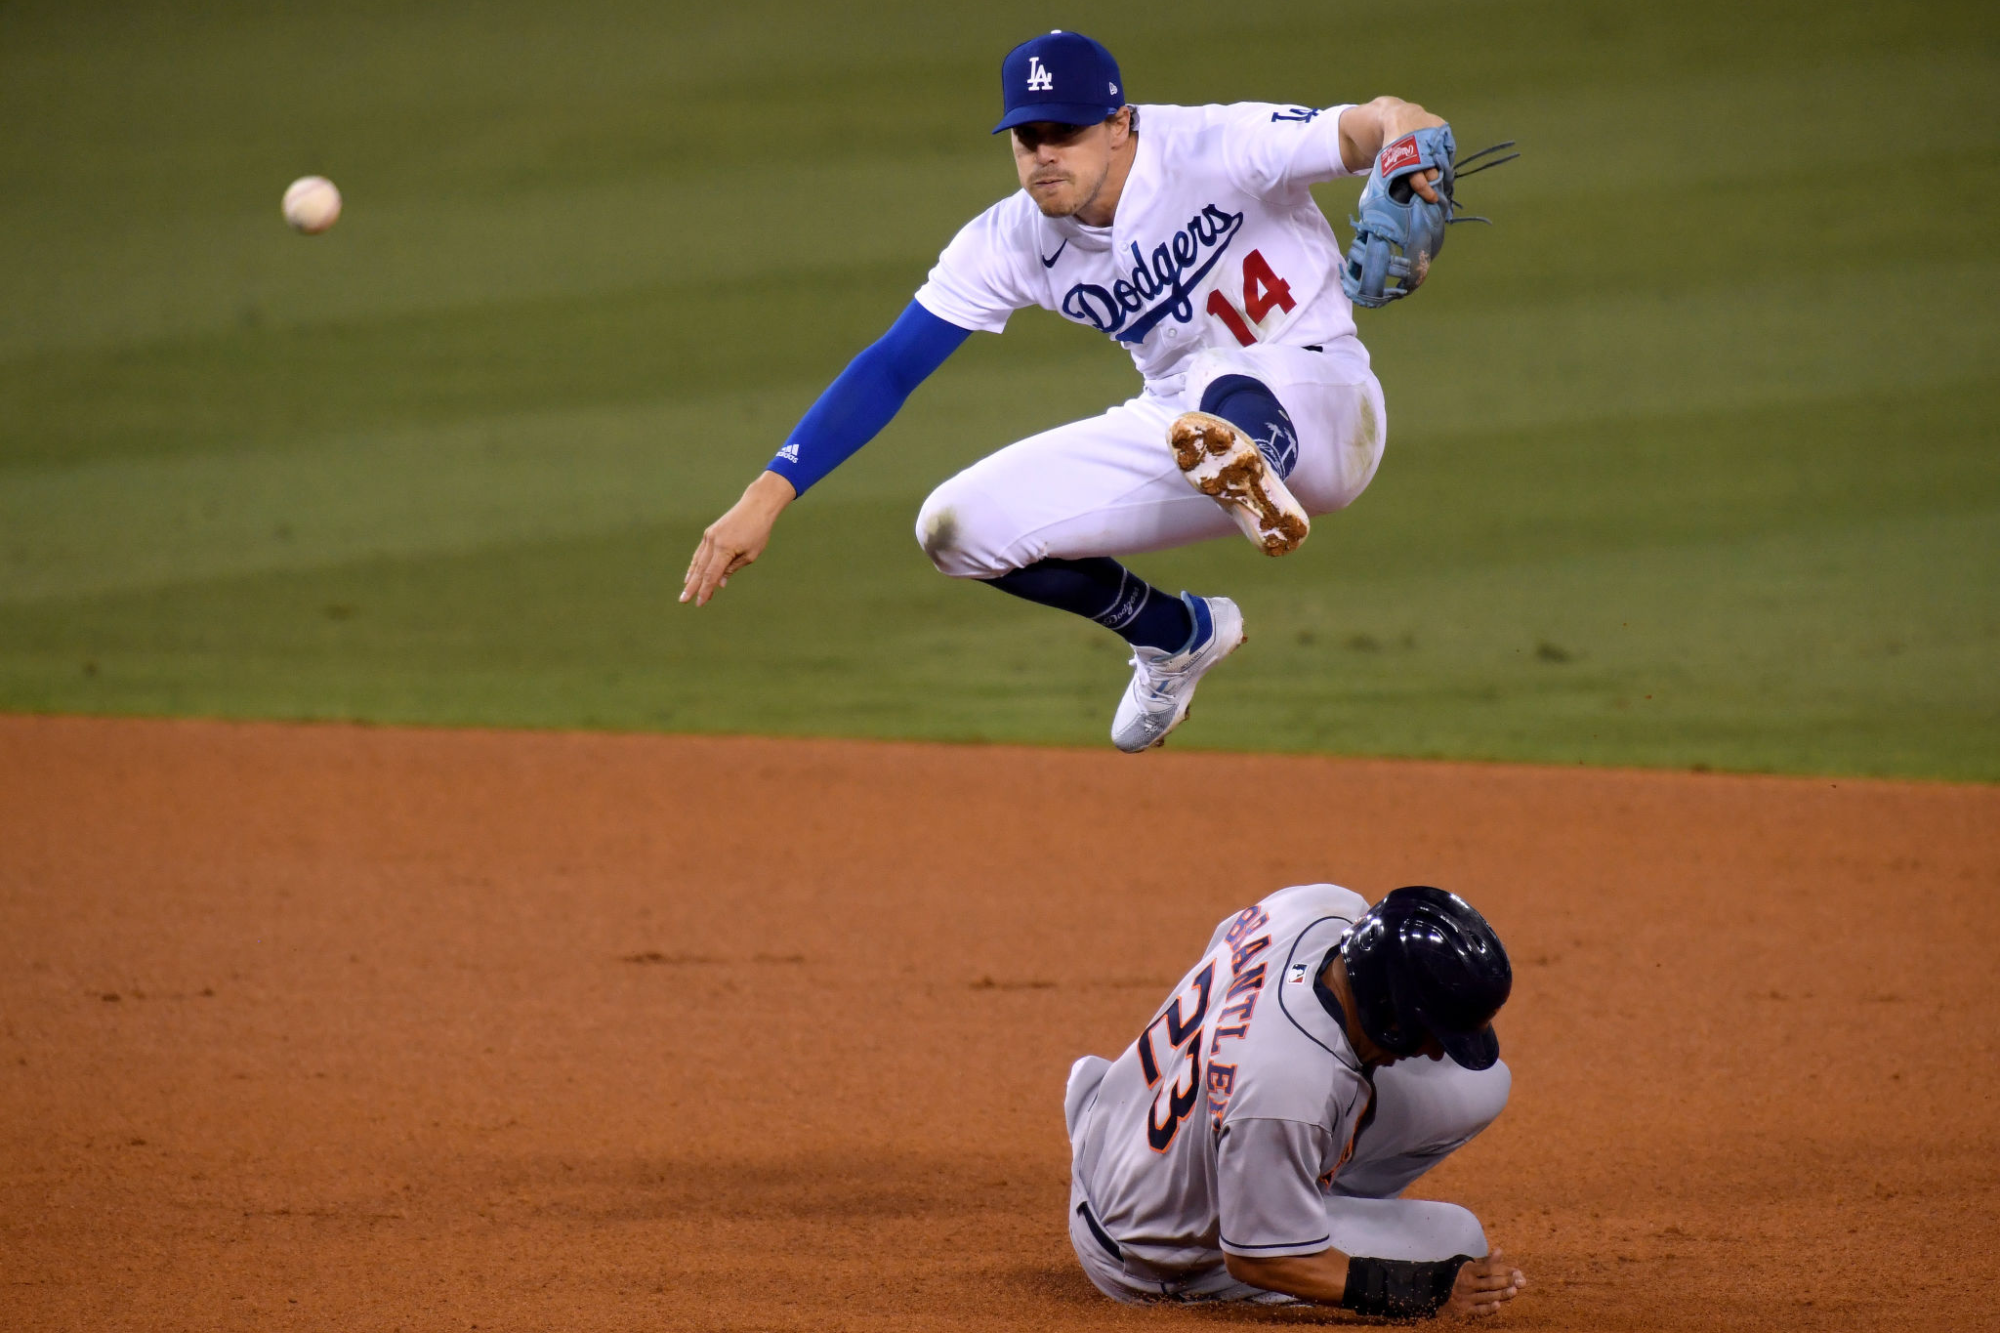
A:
x: 1053, y: 77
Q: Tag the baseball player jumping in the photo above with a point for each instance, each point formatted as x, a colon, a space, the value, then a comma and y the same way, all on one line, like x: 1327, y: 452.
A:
x: 1189, y: 236
x: 1254, y: 1142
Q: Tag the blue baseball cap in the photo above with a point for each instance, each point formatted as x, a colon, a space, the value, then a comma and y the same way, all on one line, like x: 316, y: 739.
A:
x: 1061, y: 76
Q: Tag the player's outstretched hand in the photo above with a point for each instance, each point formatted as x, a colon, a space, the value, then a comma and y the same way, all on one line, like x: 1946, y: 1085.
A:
x: 737, y: 538
x: 1484, y: 1285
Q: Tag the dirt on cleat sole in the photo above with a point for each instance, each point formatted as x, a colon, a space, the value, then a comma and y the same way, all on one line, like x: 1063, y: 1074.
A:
x: 1222, y: 463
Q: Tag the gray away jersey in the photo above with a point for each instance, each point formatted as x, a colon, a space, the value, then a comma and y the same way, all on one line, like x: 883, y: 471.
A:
x: 1221, y: 1127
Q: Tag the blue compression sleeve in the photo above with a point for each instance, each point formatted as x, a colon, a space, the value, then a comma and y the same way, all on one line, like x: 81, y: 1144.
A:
x: 873, y: 388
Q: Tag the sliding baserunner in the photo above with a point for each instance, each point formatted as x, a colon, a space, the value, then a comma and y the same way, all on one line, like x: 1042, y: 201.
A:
x: 1254, y: 1142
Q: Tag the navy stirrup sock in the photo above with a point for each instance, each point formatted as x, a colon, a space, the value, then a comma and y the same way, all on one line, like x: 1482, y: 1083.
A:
x: 1253, y: 409
x: 1103, y: 590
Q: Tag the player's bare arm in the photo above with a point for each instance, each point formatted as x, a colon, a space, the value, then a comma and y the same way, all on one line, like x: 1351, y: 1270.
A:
x: 1366, y: 128
x: 1481, y: 1288
x: 737, y: 538
x: 1310, y: 1277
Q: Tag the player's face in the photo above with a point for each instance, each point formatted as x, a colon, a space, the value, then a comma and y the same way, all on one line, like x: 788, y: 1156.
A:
x: 1063, y: 167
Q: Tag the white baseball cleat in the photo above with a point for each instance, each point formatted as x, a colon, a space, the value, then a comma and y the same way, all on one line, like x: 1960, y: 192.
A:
x: 1163, y: 683
x: 1224, y: 464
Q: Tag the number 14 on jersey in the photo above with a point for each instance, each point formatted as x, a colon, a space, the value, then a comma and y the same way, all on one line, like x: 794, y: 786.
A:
x: 1263, y: 292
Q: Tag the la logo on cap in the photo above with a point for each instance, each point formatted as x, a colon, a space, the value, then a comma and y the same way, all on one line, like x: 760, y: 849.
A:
x: 1061, y: 77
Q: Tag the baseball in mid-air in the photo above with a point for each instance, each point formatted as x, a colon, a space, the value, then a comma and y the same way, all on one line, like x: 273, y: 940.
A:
x: 312, y: 204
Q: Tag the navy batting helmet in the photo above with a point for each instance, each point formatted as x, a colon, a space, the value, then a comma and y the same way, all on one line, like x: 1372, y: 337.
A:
x: 1423, y: 964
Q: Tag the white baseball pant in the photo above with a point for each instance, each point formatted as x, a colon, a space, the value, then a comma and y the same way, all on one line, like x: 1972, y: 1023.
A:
x: 1108, y: 485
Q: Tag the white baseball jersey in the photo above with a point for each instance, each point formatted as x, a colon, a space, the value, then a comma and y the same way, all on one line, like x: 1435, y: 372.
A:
x: 1216, y: 243
x: 1221, y: 1127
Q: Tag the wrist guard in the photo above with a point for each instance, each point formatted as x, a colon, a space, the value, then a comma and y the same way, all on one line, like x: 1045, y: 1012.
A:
x: 1400, y: 1288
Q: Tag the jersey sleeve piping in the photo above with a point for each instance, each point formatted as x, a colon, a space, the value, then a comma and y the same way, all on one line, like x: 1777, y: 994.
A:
x: 1346, y: 1060
x: 1311, y: 1245
x: 1316, y: 1245
x: 1313, y: 1125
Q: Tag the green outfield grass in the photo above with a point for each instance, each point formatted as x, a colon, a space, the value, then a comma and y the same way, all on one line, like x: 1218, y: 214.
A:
x: 1691, y: 460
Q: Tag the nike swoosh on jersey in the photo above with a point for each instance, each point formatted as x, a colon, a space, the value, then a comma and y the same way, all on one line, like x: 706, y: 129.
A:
x: 1050, y: 262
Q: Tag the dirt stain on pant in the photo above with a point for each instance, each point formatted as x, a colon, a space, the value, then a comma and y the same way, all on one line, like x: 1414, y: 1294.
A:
x: 937, y: 532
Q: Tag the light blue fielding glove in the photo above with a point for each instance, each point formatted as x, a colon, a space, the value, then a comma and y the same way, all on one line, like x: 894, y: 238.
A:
x: 1399, y: 232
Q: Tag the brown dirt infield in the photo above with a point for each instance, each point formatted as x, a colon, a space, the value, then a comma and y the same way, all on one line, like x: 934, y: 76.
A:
x: 335, y: 1027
